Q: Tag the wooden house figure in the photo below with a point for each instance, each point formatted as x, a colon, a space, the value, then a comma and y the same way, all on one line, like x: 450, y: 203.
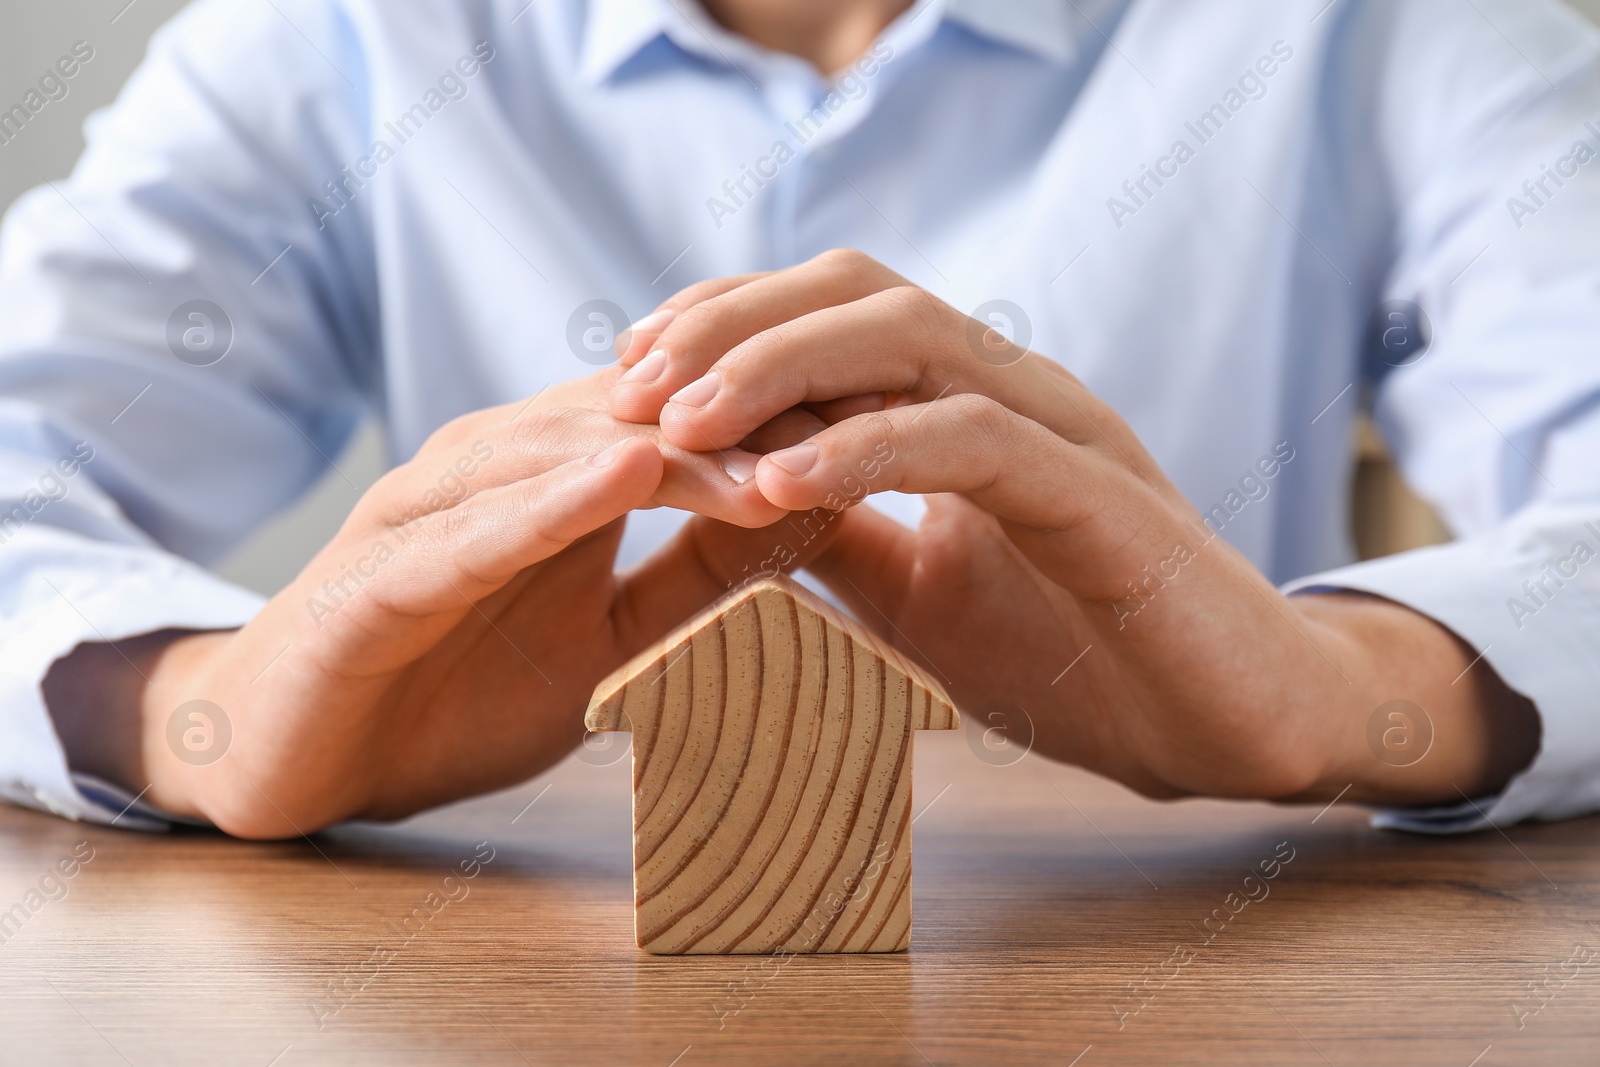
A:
x: 771, y: 778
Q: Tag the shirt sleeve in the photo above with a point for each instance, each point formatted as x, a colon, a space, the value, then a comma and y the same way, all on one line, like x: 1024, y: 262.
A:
x: 1489, y: 134
x: 183, y: 344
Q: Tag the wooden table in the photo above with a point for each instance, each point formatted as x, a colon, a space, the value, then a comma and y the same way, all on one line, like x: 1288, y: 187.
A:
x: 1059, y: 920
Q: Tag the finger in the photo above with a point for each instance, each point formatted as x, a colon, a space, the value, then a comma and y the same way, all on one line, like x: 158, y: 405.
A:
x: 586, y: 392
x: 822, y: 356
x: 487, y: 452
x: 476, y: 548
x: 902, y: 344
x: 966, y: 444
x: 789, y: 428
x: 848, y: 407
x: 1088, y: 518
x: 717, y: 484
x: 640, y: 338
x: 701, y: 334
x: 549, y: 428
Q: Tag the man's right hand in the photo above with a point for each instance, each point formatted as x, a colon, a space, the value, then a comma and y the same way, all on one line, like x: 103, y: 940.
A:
x: 446, y: 641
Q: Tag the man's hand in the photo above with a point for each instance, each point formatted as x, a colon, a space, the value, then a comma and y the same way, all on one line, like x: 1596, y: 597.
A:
x: 444, y: 643
x: 1062, y: 546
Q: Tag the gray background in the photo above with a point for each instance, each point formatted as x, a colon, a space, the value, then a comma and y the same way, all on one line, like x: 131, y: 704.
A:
x: 32, y: 34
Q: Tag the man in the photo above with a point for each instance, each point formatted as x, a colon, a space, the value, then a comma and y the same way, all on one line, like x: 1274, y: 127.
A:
x: 1127, y: 271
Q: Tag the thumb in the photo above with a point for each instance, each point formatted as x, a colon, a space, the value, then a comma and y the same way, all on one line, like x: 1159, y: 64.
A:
x: 868, y: 564
x: 704, y: 561
x: 708, y: 559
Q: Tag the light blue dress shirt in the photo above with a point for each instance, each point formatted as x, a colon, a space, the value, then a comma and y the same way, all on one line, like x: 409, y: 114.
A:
x: 304, y: 213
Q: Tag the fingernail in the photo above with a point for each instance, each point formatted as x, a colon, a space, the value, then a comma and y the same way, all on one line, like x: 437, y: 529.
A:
x: 740, y: 466
x: 608, y: 457
x: 654, y: 322
x: 700, y: 393
x: 796, y: 461
x: 646, y: 370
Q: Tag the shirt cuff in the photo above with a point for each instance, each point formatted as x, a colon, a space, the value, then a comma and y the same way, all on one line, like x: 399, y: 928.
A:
x: 1517, y: 595
x: 59, y: 590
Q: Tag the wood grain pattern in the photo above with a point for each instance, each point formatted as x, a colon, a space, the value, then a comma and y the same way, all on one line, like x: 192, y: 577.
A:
x: 1033, y: 921
x: 771, y: 778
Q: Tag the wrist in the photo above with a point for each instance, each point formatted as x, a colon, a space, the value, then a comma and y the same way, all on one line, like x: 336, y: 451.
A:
x: 182, y: 729
x: 1424, y: 719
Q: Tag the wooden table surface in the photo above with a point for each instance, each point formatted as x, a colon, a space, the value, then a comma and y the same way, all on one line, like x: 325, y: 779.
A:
x: 1058, y: 920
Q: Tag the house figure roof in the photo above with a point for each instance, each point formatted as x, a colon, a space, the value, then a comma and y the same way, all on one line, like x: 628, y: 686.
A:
x: 771, y: 777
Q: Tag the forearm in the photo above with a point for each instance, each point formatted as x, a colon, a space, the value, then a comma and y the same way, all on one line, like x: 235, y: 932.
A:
x: 1464, y: 735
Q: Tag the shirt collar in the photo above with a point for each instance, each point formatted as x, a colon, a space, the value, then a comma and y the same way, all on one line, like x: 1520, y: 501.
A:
x: 617, y: 30
x: 1047, y: 28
